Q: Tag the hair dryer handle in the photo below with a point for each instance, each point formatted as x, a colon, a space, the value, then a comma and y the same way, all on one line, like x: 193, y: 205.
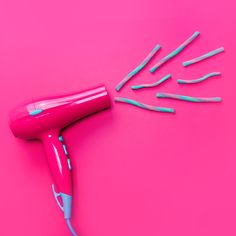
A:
x: 58, y: 161
x: 60, y: 167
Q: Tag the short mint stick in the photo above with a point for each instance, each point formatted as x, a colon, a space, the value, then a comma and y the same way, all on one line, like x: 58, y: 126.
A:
x: 135, y: 87
x: 194, y: 81
x: 138, y: 68
x: 203, y: 57
x: 143, y: 106
x: 188, y: 98
x: 175, y: 52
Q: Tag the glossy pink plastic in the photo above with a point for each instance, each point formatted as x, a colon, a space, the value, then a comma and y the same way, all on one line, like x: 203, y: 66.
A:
x: 44, y: 119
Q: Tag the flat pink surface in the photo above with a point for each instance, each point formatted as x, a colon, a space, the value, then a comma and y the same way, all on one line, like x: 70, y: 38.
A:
x: 135, y: 172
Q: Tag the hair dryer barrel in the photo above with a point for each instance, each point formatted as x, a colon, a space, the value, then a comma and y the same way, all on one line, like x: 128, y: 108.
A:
x: 54, y: 113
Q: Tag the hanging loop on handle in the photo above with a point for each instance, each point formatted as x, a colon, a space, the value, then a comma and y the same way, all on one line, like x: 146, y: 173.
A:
x: 56, y: 195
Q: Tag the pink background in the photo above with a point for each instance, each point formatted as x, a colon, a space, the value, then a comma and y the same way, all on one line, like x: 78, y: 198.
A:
x: 135, y: 172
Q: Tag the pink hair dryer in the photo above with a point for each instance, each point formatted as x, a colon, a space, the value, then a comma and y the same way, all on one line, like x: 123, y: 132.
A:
x: 44, y: 119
